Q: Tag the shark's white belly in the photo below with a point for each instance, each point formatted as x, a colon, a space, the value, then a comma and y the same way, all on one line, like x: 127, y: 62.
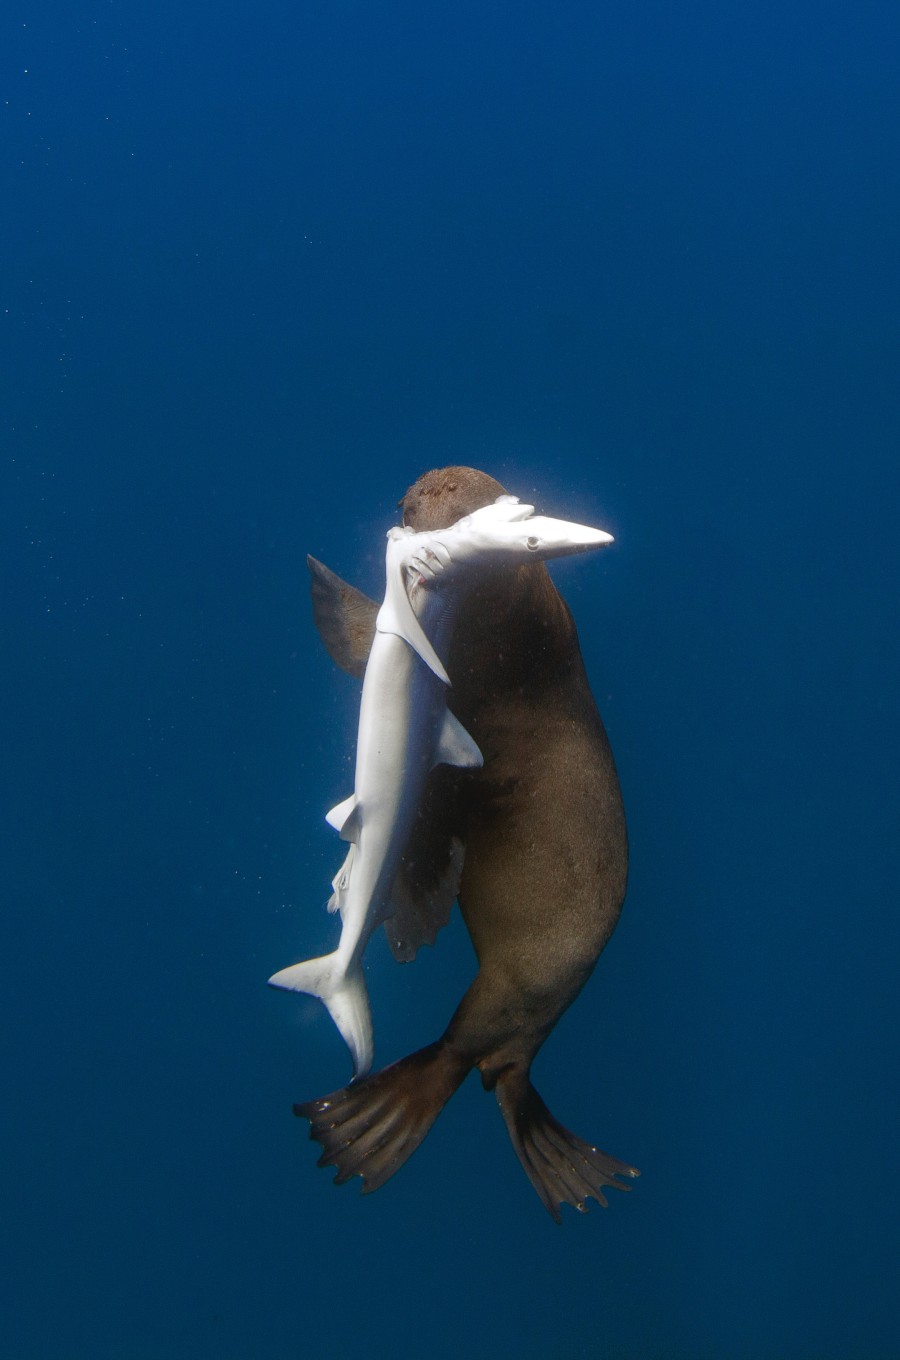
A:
x: 400, y: 716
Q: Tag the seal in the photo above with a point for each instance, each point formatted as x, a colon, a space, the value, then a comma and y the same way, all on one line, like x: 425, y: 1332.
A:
x: 406, y: 729
x: 543, y: 874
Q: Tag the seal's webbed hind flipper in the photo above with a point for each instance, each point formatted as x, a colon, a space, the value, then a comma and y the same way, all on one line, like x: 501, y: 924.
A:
x: 562, y: 1168
x: 370, y: 1127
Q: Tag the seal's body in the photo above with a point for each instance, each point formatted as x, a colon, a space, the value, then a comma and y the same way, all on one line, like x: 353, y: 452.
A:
x: 544, y: 872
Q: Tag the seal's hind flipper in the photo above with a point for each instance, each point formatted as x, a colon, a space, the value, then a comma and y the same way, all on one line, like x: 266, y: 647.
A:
x: 370, y: 1127
x: 344, y: 616
x: 562, y: 1168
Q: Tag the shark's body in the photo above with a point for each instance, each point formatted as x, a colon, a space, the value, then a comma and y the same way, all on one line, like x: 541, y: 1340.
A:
x: 406, y: 728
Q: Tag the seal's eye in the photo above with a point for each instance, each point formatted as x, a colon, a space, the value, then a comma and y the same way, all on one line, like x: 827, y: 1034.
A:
x: 531, y: 543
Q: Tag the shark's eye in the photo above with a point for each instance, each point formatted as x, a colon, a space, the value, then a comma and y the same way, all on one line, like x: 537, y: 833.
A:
x: 532, y: 543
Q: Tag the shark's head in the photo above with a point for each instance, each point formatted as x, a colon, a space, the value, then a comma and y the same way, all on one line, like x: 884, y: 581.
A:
x: 505, y: 532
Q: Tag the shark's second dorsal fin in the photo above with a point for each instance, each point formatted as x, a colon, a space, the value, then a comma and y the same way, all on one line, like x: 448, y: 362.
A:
x: 398, y: 617
x: 455, y: 746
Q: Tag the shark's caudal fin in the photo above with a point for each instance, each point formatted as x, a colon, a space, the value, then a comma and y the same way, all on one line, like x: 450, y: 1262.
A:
x: 562, y: 1168
x: 370, y: 1128
x: 344, y: 993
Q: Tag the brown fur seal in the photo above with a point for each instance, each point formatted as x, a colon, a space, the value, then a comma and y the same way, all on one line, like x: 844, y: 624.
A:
x: 543, y: 876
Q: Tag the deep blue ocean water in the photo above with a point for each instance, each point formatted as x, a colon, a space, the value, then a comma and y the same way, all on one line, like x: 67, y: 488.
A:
x: 262, y: 265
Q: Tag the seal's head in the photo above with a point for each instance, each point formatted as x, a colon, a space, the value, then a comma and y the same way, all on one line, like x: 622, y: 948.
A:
x: 440, y: 498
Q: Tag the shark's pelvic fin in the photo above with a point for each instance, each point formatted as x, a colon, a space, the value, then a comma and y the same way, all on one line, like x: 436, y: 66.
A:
x: 340, y: 884
x: 344, y: 993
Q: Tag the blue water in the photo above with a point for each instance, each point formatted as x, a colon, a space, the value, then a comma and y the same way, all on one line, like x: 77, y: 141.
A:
x: 261, y: 267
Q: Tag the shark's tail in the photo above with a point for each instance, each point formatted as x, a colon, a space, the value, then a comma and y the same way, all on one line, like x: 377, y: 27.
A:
x: 344, y: 992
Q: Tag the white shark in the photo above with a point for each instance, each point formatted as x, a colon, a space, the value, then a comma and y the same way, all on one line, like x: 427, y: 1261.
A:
x: 406, y: 728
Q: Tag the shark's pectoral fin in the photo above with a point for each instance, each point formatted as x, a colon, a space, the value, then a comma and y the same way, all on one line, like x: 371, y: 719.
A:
x: 455, y: 746
x: 397, y: 616
x: 344, y: 616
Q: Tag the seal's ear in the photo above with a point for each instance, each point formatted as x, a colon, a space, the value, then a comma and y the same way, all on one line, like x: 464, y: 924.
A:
x: 344, y: 616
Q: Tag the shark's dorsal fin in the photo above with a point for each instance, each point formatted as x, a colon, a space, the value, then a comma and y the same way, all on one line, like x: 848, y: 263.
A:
x: 398, y: 617
x: 344, y: 616
x: 455, y: 746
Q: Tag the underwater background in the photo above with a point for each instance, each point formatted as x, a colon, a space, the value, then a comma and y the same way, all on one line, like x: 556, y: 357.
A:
x: 262, y: 265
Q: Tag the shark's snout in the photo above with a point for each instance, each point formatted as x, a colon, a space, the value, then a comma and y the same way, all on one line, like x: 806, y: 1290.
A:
x: 593, y: 538
x: 559, y: 537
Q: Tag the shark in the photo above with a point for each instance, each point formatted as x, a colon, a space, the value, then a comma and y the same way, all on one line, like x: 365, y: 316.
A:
x: 406, y: 729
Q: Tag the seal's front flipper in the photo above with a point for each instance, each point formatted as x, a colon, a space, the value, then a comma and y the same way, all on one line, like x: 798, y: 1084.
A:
x: 344, y: 616
x: 431, y: 868
x: 562, y: 1168
x: 370, y: 1128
